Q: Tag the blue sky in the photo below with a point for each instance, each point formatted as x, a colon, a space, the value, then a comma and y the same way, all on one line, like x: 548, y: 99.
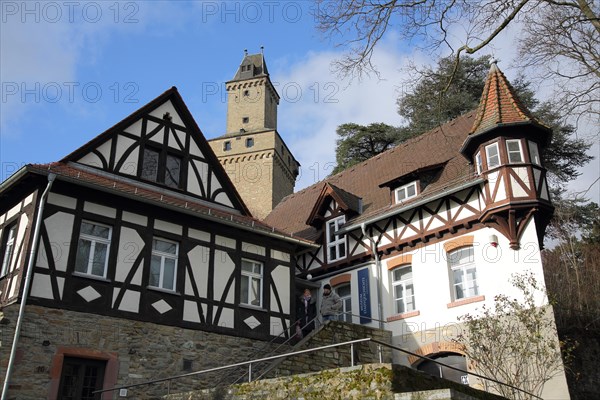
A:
x: 70, y: 70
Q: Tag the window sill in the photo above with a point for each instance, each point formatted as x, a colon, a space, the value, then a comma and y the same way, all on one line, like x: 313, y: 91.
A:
x: 88, y: 276
x: 251, y: 307
x: 405, y: 315
x: 468, y: 300
x: 158, y: 289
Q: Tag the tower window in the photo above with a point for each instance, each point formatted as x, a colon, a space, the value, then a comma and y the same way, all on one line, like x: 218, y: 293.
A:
x: 249, y: 142
x: 245, y: 120
x: 493, y: 158
x: 226, y: 146
x: 513, y: 147
x: 243, y: 68
x: 534, y: 153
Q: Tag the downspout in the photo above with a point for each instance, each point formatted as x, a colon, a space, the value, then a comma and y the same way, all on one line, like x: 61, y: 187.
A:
x: 378, y: 274
x: 28, y: 276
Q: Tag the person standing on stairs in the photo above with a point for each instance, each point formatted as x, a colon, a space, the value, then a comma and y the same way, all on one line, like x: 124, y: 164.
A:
x: 307, y: 311
x: 331, y: 304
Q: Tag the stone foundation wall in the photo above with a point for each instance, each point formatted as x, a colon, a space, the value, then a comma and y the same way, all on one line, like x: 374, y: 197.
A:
x: 142, y: 351
x: 331, y: 333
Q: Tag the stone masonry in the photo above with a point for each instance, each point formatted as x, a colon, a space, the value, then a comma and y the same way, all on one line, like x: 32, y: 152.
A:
x: 143, y: 351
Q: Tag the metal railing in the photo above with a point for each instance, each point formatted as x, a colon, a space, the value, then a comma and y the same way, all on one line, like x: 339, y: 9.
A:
x: 351, y: 343
x: 245, y: 363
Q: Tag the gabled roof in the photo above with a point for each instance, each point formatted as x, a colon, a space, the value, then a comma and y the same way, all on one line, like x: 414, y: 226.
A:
x: 259, y: 67
x: 439, y: 146
x: 499, y: 104
x: 346, y: 201
x: 183, y: 122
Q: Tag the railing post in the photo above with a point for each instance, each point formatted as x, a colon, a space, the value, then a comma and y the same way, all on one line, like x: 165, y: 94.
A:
x: 379, y: 349
x: 352, y: 354
x: 250, y: 372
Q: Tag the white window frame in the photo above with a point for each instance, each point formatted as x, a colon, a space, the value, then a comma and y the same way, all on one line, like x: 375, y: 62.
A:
x: 404, y: 189
x: 346, y: 300
x: 164, y: 256
x: 250, y: 277
x: 8, y: 250
x: 489, y: 157
x: 463, y: 267
x: 94, y: 240
x: 338, y: 242
x: 478, y: 163
x: 509, y: 152
x: 404, y: 283
x: 534, y: 153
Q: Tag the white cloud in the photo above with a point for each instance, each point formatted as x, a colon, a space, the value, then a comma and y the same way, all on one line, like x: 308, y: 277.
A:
x: 314, y: 102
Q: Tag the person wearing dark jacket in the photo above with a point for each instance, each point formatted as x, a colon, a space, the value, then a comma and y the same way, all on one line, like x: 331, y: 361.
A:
x: 307, y: 311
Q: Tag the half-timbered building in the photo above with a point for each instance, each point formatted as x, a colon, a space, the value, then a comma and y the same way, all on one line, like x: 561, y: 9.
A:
x: 141, y: 237
x: 432, y: 229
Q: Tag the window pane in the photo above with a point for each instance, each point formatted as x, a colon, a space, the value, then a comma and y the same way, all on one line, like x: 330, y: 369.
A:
x: 255, y: 292
x: 173, y: 171
x: 332, y: 253
x: 150, y: 165
x: 459, y: 292
x: 99, y: 259
x: 492, y: 155
x: 342, y: 250
x: 411, y: 191
x: 398, y: 291
x: 95, y: 230
x: 401, y: 194
x: 155, y: 271
x: 534, y: 153
x: 458, y: 275
x: 169, y: 274
x: 83, y: 255
x: 246, y: 266
x: 244, y: 290
x: 514, y: 151
x: 164, y: 247
x: 400, y: 306
x: 343, y: 290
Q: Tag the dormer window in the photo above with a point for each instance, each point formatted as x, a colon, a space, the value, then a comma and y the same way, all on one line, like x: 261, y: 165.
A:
x: 336, y: 244
x: 514, y: 150
x: 493, y: 156
x: 161, y: 166
x: 406, y: 192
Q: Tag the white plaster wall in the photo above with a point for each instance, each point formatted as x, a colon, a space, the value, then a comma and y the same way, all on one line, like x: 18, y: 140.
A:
x: 130, y: 246
x: 281, y: 281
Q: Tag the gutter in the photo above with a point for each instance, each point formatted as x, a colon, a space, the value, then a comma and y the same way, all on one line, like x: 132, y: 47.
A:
x: 26, y: 286
x: 377, y: 218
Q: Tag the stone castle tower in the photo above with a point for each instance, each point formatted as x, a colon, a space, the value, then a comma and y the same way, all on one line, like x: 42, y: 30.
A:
x: 254, y: 155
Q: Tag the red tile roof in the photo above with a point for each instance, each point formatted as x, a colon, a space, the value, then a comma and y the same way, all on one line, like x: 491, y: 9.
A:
x: 438, y: 146
x: 499, y: 105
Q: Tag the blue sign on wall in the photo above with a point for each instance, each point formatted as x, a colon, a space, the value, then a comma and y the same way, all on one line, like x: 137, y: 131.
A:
x: 364, y: 296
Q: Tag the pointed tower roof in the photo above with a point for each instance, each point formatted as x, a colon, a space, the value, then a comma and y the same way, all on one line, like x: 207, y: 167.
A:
x: 252, y: 66
x: 499, y: 104
x: 499, y: 107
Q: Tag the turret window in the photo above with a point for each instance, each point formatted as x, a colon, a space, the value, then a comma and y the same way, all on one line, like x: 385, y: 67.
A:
x: 245, y: 120
x: 227, y: 146
x: 493, y: 157
x: 515, y: 153
x: 534, y: 153
x: 478, y: 162
x: 249, y: 142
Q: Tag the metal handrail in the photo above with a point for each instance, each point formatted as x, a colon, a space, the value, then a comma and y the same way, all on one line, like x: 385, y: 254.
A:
x: 249, y: 363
